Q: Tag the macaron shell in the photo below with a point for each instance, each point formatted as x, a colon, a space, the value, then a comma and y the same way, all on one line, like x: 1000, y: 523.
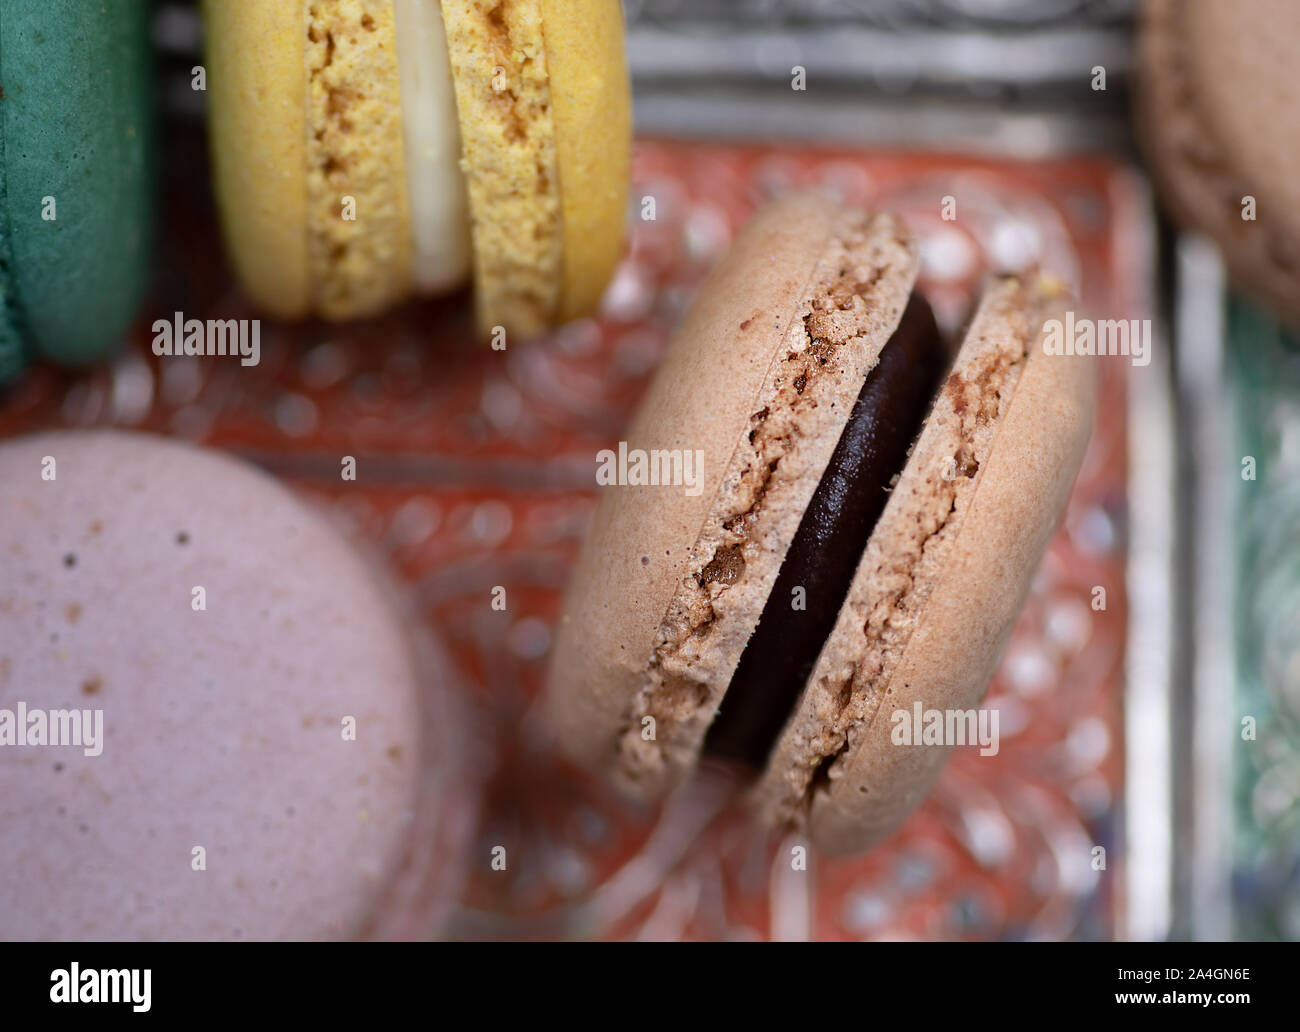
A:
x: 257, y: 125
x: 635, y: 554
x: 358, y: 215
x: 223, y: 727
x: 849, y: 308
x: 678, y: 582
x: 309, y: 153
x: 76, y: 128
x: 970, y: 582
x: 591, y: 104
x: 1217, y: 103
x: 13, y: 352
x: 419, y: 895
x: 499, y: 62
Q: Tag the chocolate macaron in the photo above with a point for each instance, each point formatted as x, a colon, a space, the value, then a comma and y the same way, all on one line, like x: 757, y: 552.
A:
x: 866, y: 515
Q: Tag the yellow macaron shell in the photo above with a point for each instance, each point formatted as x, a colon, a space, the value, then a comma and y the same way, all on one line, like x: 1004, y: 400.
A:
x: 258, y: 120
x: 308, y: 149
x: 545, y: 113
x: 359, y: 233
x: 499, y: 64
x: 592, y: 109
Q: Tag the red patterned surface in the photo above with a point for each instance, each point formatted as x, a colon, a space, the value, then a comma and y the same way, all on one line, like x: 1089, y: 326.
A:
x: 476, y: 470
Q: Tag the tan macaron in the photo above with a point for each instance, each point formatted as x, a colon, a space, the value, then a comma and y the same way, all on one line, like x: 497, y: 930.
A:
x: 831, y: 534
x: 1217, y: 114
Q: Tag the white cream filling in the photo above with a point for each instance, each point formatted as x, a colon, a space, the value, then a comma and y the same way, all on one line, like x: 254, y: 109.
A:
x: 439, y: 206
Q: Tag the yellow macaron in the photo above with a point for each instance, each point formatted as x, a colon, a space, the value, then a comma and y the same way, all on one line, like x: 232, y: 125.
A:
x: 368, y: 150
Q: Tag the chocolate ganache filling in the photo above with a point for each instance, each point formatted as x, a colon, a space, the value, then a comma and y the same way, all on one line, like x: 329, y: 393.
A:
x: 832, y: 535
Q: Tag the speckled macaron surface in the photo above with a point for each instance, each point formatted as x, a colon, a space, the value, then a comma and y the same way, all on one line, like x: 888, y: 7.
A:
x: 75, y: 176
x: 249, y: 697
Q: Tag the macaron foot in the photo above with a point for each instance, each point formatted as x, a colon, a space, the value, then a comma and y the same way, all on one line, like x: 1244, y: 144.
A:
x: 503, y: 91
x: 359, y: 234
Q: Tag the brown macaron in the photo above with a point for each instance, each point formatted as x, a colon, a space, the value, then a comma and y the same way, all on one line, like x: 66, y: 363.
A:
x: 1218, y: 109
x: 832, y: 535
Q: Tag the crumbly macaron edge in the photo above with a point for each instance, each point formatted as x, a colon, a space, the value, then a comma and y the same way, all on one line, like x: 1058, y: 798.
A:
x: 636, y: 549
x: 904, y: 556
x: 499, y: 65
x: 358, y: 222
x: 848, y: 311
x: 954, y: 649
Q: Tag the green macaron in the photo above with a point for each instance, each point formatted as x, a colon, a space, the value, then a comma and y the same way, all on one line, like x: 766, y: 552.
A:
x: 76, y: 177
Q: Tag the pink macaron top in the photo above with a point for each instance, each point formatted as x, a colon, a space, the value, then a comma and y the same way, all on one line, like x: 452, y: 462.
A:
x: 259, y: 762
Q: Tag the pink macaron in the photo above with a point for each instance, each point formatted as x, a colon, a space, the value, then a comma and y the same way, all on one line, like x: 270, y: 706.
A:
x: 213, y: 722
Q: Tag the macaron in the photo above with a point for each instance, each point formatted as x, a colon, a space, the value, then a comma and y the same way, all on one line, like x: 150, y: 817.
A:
x: 214, y: 723
x: 863, y: 515
x: 368, y: 150
x: 1217, y: 114
x: 75, y: 177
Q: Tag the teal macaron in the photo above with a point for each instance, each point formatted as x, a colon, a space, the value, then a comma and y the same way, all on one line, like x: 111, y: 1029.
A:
x: 76, y: 176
